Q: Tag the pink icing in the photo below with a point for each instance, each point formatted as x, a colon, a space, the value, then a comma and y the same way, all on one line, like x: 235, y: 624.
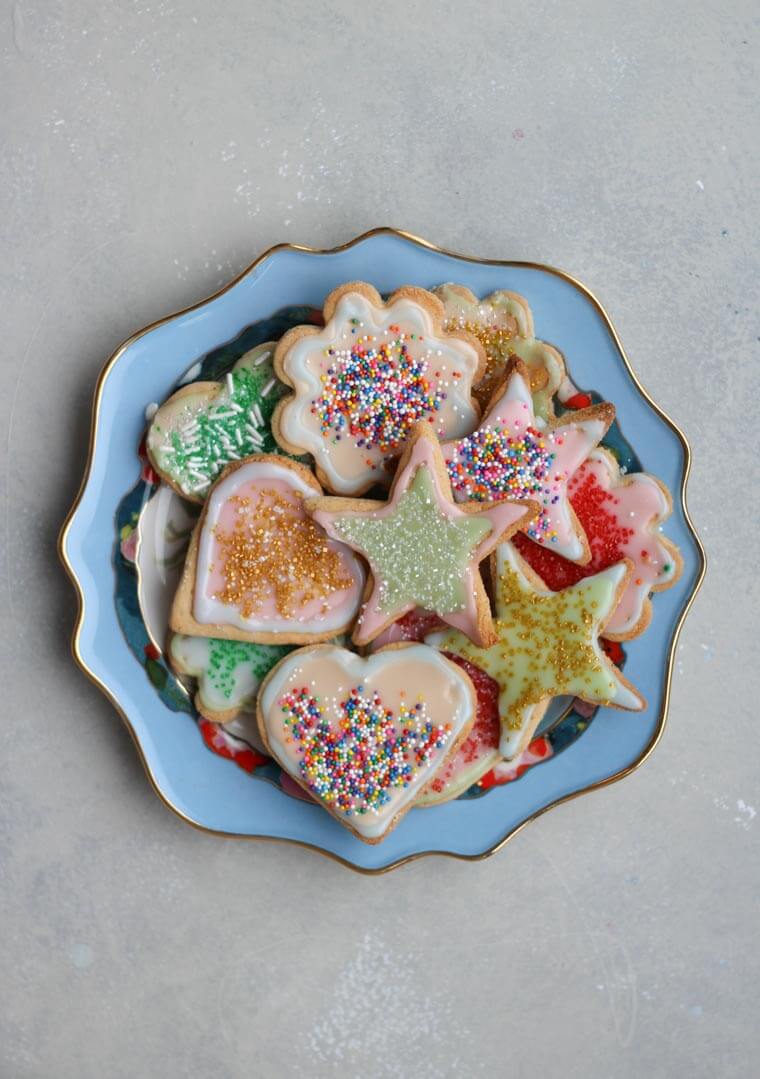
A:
x: 264, y: 484
x: 636, y: 504
x: 570, y: 442
x: 620, y: 515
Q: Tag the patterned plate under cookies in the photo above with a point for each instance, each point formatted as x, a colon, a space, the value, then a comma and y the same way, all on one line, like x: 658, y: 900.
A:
x: 121, y: 646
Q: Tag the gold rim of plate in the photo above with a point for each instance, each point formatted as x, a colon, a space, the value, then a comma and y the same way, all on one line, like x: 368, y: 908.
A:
x: 662, y: 718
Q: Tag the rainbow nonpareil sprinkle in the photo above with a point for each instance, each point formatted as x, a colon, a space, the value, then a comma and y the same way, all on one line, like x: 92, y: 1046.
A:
x: 354, y: 765
x: 494, y: 463
x: 375, y: 393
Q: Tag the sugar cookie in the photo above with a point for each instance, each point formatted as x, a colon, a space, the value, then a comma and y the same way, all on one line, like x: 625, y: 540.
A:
x: 509, y: 456
x: 478, y: 752
x: 620, y: 516
x: 228, y: 672
x: 363, y: 735
x: 503, y: 324
x: 259, y: 569
x: 361, y: 383
x: 203, y: 426
x: 547, y: 645
x: 422, y: 548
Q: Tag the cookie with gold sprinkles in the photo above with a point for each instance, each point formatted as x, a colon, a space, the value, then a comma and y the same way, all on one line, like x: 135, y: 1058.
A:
x: 259, y: 568
x: 503, y: 323
x: 547, y: 645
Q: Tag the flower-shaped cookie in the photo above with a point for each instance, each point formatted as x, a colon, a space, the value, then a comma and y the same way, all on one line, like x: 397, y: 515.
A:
x: 510, y: 456
x: 423, y: 549
x: 203, y: 426
x: 361, y: 383
x: 363, y: 736
x: 503, y: 323
x: 620, y: 516
x: 547, y: 645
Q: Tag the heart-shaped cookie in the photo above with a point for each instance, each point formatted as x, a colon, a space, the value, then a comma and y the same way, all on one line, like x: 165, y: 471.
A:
x: 364, y: 735
x: 259, y: 569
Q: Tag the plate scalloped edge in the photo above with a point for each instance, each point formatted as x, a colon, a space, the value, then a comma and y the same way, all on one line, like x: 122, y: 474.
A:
x: 417, y: 241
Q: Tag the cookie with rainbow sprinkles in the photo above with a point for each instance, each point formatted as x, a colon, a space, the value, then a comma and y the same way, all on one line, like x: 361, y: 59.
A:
x: 512, y: 453
x: 360, y: 384
x: 363, y: 736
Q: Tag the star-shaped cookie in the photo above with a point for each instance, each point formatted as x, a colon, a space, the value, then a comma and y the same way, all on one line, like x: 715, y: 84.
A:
x: 547, y: 645
x: 514, y: 455
x: 422, y: 548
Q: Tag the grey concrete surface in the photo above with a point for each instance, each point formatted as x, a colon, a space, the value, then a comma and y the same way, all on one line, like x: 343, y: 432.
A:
x: 149, y: 150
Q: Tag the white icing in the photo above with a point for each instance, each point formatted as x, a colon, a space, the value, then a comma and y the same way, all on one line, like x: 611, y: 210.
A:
x: 573, y: 548
x: 192, y: 654
x: 345, y: 464
x: 517, y: 389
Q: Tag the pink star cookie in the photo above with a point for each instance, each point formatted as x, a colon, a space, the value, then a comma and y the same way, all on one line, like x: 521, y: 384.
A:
x: 514, y: 455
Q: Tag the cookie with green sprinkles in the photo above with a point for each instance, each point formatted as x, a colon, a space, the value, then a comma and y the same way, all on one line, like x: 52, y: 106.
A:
x: 228, y: 672
x: 204, y: 426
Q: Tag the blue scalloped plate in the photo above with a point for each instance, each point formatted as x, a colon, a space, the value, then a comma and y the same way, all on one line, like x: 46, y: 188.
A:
x: 205, y: 789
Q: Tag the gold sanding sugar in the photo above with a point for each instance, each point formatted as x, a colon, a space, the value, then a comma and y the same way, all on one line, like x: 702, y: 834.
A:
x: 495, y: 340
x: 276, y: 552
x: 546, y: 642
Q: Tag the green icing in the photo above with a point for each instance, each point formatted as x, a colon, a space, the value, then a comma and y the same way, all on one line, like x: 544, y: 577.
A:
x: 534, y: 354
x: 417, y: 553
x: 203, y: 441
x: 546, y: 643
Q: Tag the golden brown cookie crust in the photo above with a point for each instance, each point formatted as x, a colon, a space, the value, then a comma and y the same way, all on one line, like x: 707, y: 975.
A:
x: 341, y: 818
